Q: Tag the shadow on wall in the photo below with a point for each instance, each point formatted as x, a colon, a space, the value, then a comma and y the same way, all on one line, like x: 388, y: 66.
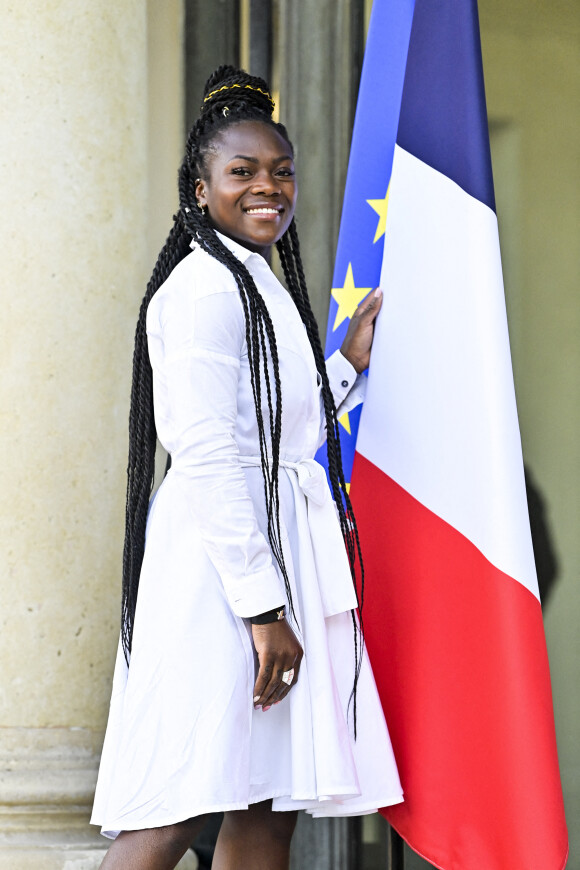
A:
x: 544, y: 553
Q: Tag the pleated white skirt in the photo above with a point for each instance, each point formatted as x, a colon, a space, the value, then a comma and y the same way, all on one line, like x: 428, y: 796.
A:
x: 183, y: 737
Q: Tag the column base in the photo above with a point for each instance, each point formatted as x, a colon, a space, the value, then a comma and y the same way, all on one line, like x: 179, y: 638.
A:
x: 45, y: 858
x: 47, y: 782
x: 51, y: 859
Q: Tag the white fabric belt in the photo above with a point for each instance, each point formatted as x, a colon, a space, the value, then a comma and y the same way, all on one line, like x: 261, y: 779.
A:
x: 333, y: 571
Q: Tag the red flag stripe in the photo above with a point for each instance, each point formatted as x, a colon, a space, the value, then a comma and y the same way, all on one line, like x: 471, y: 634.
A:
x: 476, y: 749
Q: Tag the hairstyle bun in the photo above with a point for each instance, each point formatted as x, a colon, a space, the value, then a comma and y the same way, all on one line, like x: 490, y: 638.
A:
x: 236, y: 90
x: 223, y: 73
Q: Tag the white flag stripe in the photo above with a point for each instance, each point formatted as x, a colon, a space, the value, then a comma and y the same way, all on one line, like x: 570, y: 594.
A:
x: 440, y: 414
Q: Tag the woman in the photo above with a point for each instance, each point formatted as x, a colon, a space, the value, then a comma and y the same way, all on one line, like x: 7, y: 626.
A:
x: 247, y: 683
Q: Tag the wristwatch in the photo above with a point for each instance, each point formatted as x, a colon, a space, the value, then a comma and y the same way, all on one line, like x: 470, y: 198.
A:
x: 270, y: 616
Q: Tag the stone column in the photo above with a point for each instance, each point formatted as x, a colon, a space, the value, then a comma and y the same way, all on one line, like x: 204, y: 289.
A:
x: 256, y: 54
x: 319, y: 50
x: 316, y: 70
x: 324, y: 844
x: 212, y: 31
x: 74, y: 104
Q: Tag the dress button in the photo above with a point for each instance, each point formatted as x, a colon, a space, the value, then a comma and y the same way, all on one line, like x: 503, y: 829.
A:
x: 345, y: 383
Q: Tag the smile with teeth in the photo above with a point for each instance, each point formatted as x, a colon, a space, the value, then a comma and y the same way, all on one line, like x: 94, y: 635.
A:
x: 262, y: 211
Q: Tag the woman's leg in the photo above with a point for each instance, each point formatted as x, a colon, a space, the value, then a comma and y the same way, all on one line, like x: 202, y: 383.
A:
x: 255, y: 839
x: 153, y: 848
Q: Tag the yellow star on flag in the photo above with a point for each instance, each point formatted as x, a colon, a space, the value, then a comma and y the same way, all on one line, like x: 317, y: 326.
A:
x: 380, y: 206
x: 348, y: 298
x: 345, y: 422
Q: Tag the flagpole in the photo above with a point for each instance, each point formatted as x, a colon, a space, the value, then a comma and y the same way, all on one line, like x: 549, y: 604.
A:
x: 396, y: 853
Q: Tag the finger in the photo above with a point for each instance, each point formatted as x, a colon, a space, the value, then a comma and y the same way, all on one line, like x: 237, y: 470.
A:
x: 270, y: 691
x: 371, y: 304
x: 277, y: 686
x: 262, y: 681
x: 285, y: 687
x: 279, y: 695
x: 269, y: 680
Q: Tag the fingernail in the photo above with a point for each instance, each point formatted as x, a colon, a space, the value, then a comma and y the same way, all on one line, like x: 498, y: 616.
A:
x: 378, y: 292
x: 265, y: 709
x: 257, y: 698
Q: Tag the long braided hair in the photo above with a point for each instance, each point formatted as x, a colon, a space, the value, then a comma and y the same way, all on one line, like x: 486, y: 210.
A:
x: 230, y: 96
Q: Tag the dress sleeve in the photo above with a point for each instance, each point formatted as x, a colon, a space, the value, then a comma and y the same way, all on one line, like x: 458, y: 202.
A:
x: 348, y: 388
x: 195, y: 346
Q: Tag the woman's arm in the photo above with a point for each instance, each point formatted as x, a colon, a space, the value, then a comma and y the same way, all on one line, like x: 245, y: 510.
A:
x: 196, y: 346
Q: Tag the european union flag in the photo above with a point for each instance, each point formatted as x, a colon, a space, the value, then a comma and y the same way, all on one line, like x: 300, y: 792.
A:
x: 364, y: 214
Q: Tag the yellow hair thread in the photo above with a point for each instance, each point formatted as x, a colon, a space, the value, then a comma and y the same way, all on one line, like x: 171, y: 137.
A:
x: 230, y: 87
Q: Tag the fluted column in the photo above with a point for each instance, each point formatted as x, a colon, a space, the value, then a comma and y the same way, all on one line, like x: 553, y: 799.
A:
x: 74, y: 221
x: 319, y: 45
x: 316, y: 70
x: 324, y: 844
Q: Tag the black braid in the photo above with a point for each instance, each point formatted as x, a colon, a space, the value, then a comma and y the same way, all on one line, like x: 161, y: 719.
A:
x: 143, y: 435
x: 230, y: 96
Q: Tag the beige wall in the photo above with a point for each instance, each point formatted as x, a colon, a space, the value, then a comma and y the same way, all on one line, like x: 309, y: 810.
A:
x: 532, y: 70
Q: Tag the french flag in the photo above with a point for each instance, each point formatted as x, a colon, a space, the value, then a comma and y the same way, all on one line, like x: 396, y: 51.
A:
x: 452, y: 616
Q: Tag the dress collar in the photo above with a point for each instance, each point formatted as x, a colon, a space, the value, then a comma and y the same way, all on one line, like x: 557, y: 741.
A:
x: 237, y: 250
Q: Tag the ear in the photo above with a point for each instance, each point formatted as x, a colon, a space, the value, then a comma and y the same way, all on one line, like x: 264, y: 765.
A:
x: 200, y: 191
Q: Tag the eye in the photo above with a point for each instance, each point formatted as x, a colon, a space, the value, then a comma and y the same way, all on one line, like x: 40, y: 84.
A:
x: 285, y: 172
x: 241, y: 171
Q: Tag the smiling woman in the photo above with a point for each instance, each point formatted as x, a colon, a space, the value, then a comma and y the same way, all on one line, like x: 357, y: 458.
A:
x: 241, y: 682
x: 249, y: 185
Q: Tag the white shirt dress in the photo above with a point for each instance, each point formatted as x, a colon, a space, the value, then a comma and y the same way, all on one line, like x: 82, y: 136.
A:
x: 183, y: 737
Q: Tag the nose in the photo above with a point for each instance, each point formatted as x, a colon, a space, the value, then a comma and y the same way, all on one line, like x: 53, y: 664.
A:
x: 265, y: 183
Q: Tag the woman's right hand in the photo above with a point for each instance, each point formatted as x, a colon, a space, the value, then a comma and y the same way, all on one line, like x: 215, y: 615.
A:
x: 278, y: 652
x: 358, y: 340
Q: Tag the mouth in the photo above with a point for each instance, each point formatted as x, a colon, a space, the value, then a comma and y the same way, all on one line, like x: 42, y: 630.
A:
x: 264, y: 210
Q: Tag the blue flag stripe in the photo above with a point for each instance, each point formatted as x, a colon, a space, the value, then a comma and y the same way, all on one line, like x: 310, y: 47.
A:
x: 443, y: 113
x: 373, y: 140
x: 369, y: 171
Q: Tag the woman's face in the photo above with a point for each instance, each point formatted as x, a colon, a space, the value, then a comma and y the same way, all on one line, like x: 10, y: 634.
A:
x: 250, y: 187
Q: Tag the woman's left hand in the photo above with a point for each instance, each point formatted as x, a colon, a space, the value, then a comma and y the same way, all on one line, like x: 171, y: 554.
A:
x: 358, y: 340
x: 279, y: 651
